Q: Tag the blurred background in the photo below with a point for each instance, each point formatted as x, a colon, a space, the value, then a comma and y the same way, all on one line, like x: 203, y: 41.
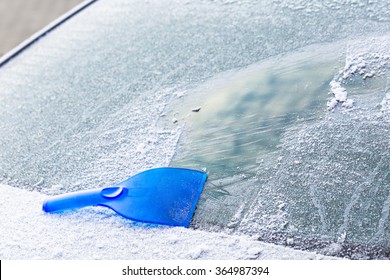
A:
x: 19, y: 19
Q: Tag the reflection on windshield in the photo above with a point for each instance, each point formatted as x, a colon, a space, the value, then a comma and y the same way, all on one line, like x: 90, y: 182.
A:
x: 243, y: 114
x: 241, y: 121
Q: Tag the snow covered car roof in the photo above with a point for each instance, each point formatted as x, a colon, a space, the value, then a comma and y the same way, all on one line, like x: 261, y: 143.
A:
x: 287, y: 109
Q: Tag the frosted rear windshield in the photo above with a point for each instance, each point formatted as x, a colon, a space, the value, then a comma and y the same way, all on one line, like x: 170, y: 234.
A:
x: 284, y: 103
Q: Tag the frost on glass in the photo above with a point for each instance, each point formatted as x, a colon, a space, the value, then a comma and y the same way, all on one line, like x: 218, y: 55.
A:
x: 285, y: 103
x: 291, y: 169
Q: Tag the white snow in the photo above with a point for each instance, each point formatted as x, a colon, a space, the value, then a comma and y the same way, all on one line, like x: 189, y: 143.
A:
x: 339, y: 92
x: 348, y: 104
x: 98, y: 233
x: 340, y: 96
x: 332, y: 103
x: 366, y: 59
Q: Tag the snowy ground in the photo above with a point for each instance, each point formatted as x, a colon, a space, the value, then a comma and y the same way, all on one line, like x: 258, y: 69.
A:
x: 98, y: 233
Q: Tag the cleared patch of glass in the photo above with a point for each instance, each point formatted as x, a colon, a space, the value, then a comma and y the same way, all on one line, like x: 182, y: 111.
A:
x: 286, y: 166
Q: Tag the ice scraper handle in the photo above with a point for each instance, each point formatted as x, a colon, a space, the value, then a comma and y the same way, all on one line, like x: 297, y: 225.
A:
x: 81, y: 199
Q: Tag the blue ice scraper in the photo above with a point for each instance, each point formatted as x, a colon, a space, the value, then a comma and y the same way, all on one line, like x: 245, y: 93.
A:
x: 165, y: 196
